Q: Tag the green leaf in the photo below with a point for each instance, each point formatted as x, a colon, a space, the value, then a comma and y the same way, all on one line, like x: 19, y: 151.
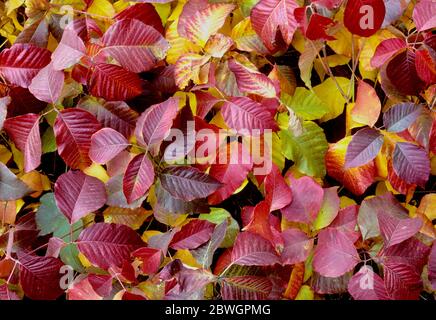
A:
x: 48, y: 141
x: 305, y: 104
x: 306, y: 150
x: 217, y: 216
x: 50, y: 220
x: 70, y: 256
x: 329, y: 208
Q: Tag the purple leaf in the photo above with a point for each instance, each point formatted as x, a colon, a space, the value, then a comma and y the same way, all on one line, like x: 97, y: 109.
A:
x: 335, y: 254
x: 411, y: 163
x: 297, y: 246
x: 138, y: 178
x: 188, y: 183
x: 399, y: 117
x: 364, y: 147
x: 78, y: 194
x: 432, y: 266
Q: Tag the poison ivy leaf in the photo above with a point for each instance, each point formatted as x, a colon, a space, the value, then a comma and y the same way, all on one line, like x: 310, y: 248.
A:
x: 112, y: 82
x: 363, y: 148
x: 307, y: 197
x: 246, y: 39
x: 297, y: 246
x: 400, y: 116
x: 367, y: 285
x: 151, y: 259
x: 246, y: 115
x: 106, y: 245
x: 411, y: 163
x: 40, y: 276
x: 200, y: 19
x: 424, y: 15
x: 425, y: 63
x: 78, y: 194
x: 192, y: 235
x: 277, y: 192
x: 69, y: 51
x: 367, y: 108
x: 11, y: 188
x: 432, y: 266
x: 386, y: 50
x: 144, y: 12
x: 154, y: 124
x: 138, y: 178
x: 205, y: 253
x: 269, y: 17
x: 22, y: 62
x: 305, y: 104
x: 335, y: 254
x: 106, y: 144
x: 253, y: 250
x: 246, y: 288
x: 329, y: 208
x: 24, y: 131
x: 188, y: 183
x: 73, y: 129
x: 307, y: 150
x: 252, y: 81
x: 47, y: 84
x: 136, y: 46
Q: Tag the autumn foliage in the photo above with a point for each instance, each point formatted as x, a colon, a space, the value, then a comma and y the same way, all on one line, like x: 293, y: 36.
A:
x: 103, y: 194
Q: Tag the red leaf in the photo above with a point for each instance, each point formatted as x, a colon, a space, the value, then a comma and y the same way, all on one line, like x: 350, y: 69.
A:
x: 24, y: 131
x: 252, y: 81
x: 364, y: 17
x: 112, y: 114
x: 40, y: 276
x: 260, y: 221
x: 306, y: 202
x: 144, y: 12
x: 69, y: 51
x: 22, y: 62
x: 367, y: 285
x: 192, y: 235
x: 188, y: 183
x: 424, y: 15
x: 385, y: 50
x: 135, y: 45
x: 276, y: 190
x: 114, y: 83
x: 246, y: 115
x: 232, y: 173
x: 154, y: 124
x: 411, y: 163
x: 253, y: 250
x: 335, y: 254
x: 269, y: 17
x: 78, y: 194
x: 314, y: 27
x: 102, y: 284
x: 106, y: 144
x: 297, y: 246
x: 151, y: 259
x: 402, y: 282
x: 47, y: 84
x: 73, y: 130
x: 138, y: 178
x: 363, y: 148
x: 402, y: 73
x: 106, y: 245
x: 425, y: 64
x: 246, y: 288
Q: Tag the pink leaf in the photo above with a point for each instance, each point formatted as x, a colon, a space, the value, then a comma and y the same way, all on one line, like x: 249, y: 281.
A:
x: 385, y: 50
x: 395, y: 230
x: 246, y: 115
x: 306, y: 200
x: 297, y: 246
x: 47, y: 84
x: 276, y: 189
x: 24, y: 131
x: 424, y: 15
x: 138, y: 178
x: 78, y: 194
x: 335, y: 254
x: 69, y: 51
x: 367, y: 285
x: 108, y: 245
x: 106, y: 144
x: 269, y: 17
x: 192, y: 235
x: 136, y: 46
x: 253, y: 250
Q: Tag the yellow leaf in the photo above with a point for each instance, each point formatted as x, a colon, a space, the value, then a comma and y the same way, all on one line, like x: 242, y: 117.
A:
x: 11, y: 5
x: 37, y: 182
x: 97, y: 171
x: 186, y: 257
x: 163, y: 10
x: 178, y: 44
x: 84, y: 261
x: 246, y: 39
x: 346, y: 202
x: 428, y: 206
x: 148, y: 234
x: 5, y: 154
x: 305, y: 293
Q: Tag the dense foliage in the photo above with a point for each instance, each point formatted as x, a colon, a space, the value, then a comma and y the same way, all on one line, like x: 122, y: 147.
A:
x: 102, y: 198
